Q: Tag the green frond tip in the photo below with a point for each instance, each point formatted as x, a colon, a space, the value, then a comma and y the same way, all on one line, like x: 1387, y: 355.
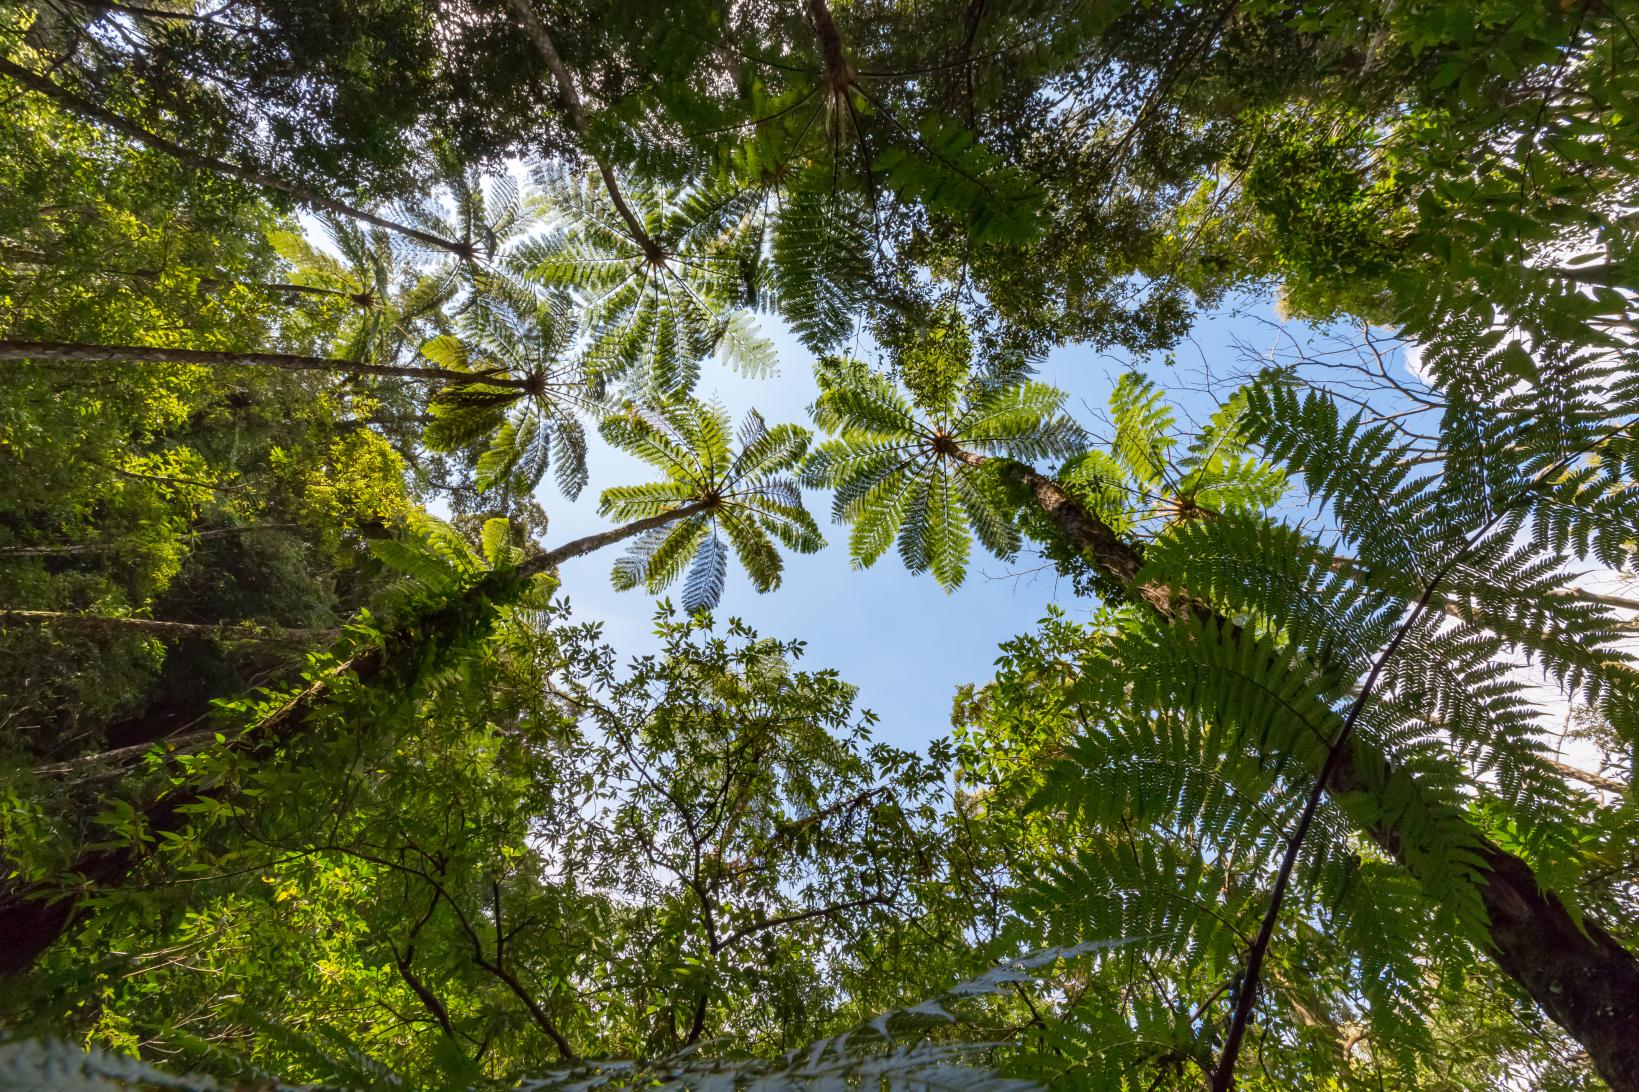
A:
x: 723, y: 501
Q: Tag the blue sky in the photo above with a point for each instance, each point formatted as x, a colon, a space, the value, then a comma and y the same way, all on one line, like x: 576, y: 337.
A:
x: 904, y: 642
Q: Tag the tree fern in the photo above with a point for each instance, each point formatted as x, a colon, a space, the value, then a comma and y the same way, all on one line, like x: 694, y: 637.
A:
x: 746, y: 502
x: 527, y: 428
x: 654, y: 307
x: 901, y: 460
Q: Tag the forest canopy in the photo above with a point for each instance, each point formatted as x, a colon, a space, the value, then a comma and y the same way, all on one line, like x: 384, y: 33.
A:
x: 315, y: 314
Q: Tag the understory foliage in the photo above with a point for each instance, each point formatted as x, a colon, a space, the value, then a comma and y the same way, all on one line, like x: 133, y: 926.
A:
x: 1318, y: 776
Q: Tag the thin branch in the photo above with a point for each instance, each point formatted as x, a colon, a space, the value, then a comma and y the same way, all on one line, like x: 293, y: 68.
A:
x: 429, y: 1000
x: 88, y: 109
x: 576, y: 110
x: 72, y: 352
x: 174, y: 631
x: 1223, y: 1079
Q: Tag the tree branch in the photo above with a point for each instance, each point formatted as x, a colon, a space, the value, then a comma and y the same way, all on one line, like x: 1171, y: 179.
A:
x: 576, y: 110
x: 173, y: 631
x: 73, y: 352
x: 429, y: 1000
x: 88, y: 109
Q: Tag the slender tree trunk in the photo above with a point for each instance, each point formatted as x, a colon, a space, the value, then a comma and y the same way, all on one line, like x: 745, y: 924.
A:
x: 33, y: 916
x: 69, y: 352
x: 576, y: 111
x: 109, y: 547
x: 86, y: 108
x: 44, y: 261
x: 1579, y: 974
x: 99, y: 625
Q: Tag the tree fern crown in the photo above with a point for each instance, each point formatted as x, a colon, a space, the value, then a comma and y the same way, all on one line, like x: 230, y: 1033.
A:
x: 907, y: 457
x: 747, y: 499
x: 657, y: 302
x: 528, y: 429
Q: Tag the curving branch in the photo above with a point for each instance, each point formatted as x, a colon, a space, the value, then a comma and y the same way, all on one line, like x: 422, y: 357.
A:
x: 576, y: 110
x: 402, y: 960
x: 84, y: 107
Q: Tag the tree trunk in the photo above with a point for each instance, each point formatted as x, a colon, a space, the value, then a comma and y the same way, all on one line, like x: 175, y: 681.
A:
x: 1580, y: 975
x: 108, y: 547
x: 30, y: 921
x: 839, y: 75
x: 576, y: 110
x: 21, y: 256
x: 70, y: 352
x: 99, y: 625
x: 87, y: 109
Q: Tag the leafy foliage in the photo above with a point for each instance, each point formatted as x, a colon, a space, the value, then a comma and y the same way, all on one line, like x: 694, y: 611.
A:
x: 1305, y: 754
x: 738, y: 496
x: 897, y: 463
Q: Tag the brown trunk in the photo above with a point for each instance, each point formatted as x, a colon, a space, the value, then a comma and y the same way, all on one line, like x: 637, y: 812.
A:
x: 30, y: 921
x: 839, y: 75
x: 105, y: 547
x: 576, y: 110
x: 44, y: 261
x: 144, y: 354
x: 1582, y: 977
x: 86, y: 108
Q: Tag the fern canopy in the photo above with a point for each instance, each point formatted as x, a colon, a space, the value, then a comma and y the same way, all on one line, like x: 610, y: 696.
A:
x: 905, y: 458
x: 744, y: 500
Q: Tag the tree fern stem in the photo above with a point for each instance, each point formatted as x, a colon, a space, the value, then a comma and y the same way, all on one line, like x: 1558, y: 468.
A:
x: 98, y: 624
x: 839, y: 75
x: 73, y: 352
x: 84, y: 107
x: 576, y: 111
x: 33, y: 915
x: 1574, y: 969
